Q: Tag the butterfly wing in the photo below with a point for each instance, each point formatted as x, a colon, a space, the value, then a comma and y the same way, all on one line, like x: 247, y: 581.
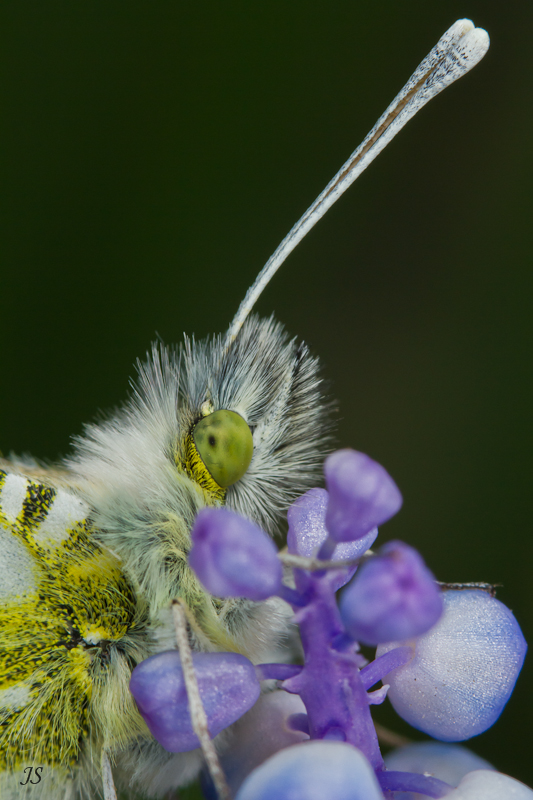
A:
x: 70, y: 627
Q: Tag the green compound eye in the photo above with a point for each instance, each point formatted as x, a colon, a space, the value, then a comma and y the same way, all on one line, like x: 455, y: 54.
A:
x: 225, y: 445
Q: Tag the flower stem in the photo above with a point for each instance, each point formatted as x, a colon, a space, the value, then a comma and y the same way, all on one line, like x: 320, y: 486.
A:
x: 330, y: 684
x: 277, y: 672
x: 381, y: 666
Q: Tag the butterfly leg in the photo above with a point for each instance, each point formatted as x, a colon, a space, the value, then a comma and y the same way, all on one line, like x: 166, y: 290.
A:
x: 69, y: 791
x: 107, y: 777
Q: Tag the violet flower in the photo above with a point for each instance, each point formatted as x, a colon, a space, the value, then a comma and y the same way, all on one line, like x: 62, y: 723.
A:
x: 392, y: 600
x: 315, y: 771
x: 447, y: 762
x: 488, y: 785
x: 233, y: 557
x: 394, y: 597
x: 264, y: 730
x: 463, y: 671
x: 362, y: 495
x: 228, y: 687
x: 308, y: 533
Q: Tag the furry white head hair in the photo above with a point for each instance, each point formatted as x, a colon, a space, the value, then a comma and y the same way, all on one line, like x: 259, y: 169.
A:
x: 127, y: 468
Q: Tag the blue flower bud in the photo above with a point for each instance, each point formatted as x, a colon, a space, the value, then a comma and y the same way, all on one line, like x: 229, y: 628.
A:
x: 313, y: 771
x: 228, y: 688
x: 362, y: 495
x: 261, y: 732
x: 393, y: 597
x: 484, y: 785
x: 463, y: 671
x: 448, y: 762
x: 233, y: 557
x: 307, y: 533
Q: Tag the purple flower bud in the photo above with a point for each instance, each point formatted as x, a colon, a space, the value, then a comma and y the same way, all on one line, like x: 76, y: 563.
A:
x: 393, y: 597
x: 484, y: 785
x: 228, y: 688
x: 362, y: 495
x: 307, y: 532
x: 233, y: 557
x: 463, y: 671
x: 448, y: 762
x: 313, y: 771
x: 261, y: 732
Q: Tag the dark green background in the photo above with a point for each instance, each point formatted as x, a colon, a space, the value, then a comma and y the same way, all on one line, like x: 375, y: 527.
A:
x: 154, y: 153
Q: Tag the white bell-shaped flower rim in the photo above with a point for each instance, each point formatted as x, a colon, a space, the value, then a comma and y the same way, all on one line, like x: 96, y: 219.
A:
x: 488, y: 785
x: 448, y: 762
x: 463, y: 670
x: 316, y: 770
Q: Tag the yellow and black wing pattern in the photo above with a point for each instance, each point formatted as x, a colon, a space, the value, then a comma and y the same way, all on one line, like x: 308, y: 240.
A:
x: 70, y: 632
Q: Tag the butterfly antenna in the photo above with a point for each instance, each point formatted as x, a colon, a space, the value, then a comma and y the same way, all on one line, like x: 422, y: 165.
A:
x: 460, y: 49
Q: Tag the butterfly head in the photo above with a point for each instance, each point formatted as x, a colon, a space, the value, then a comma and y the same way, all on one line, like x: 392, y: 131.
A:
x: 246, y: 426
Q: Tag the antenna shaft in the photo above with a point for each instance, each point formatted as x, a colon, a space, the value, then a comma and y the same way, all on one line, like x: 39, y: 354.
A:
x: 458, y: 50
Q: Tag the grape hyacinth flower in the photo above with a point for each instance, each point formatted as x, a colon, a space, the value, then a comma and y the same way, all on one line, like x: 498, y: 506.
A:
x: 234, y: 558
x: 159, y: 689
x: 488, y: 785
x: 314, y: 771
x: 487, y: 655
x: 308, y: 532
x: 260, y: 733
x: 394, y: 596
x: 431, y: 645
x: 448, y: 762
x: 362, y: 495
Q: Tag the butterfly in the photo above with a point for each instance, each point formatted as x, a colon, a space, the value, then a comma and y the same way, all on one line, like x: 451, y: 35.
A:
x: 93, y: 552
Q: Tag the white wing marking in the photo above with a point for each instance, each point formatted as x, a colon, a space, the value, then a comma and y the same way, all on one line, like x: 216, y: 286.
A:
x: 12, y: 496
x: 16, y: 567
x: 15, y: 697
x: 66, y: 511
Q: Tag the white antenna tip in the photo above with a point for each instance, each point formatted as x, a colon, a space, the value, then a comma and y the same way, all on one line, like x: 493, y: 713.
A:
x: 464, y: 29
x: 481, y: 39
x: 473, y: 46
x: 461, y: 26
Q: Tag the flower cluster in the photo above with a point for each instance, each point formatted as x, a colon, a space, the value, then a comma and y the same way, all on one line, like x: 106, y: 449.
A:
x: 448, y: 660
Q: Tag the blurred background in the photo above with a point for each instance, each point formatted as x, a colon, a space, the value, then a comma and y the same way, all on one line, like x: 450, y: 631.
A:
x: 154, y: 154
